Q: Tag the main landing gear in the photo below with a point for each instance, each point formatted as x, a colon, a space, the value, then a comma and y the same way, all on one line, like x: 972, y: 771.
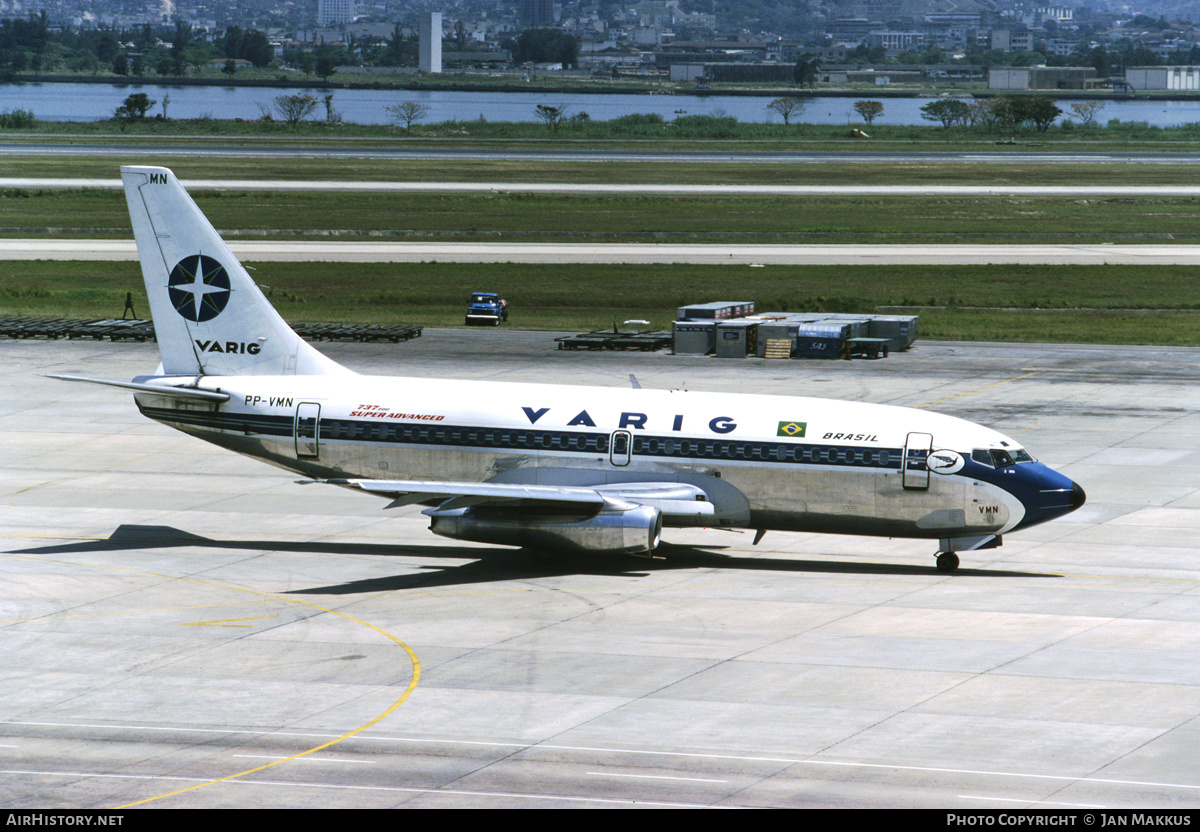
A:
x: 947, y: 557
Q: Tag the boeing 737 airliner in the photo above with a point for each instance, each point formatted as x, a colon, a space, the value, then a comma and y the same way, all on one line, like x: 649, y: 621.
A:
x: 555, y: 468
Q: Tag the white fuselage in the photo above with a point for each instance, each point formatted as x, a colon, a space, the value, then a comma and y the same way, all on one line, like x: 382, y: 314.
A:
x: 583, y: 469
x: 768, y: 462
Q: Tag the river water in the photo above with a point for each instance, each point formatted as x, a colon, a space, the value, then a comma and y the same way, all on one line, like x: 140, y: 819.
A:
x: 93, y: 102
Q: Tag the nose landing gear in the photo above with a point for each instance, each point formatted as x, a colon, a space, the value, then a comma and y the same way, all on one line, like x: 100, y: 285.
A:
x: 947, y: 557
x: 947, y: 562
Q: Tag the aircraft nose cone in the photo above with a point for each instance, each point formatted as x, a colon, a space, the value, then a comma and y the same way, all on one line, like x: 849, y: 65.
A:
x: 1078, y: 498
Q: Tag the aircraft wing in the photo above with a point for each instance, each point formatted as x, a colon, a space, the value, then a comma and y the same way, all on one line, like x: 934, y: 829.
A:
x: 673, y: 499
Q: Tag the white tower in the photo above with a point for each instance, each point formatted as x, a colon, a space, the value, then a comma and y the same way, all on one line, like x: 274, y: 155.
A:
x: 431, y: 42
x: 335, y: 12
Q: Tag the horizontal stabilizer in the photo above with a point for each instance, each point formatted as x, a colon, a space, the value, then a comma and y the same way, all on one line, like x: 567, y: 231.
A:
x: 170, y: 391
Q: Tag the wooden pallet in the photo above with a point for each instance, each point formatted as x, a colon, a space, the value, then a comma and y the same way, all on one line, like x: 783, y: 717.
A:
x: 777, y: 348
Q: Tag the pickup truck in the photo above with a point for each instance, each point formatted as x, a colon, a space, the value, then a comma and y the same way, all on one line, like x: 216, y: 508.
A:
x: 486, y: 308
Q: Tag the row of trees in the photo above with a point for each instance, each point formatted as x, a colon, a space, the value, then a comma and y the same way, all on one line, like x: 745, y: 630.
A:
x: 1001, y: 112
x: 544, y: 46
x: 32, y: 45
x: 790, y: 107
x: 292, y: 109
x: 1008, y: 112
x: 1106, y: 59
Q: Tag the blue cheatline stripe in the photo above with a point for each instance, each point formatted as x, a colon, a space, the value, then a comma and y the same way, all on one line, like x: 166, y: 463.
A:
x: 524, y: 439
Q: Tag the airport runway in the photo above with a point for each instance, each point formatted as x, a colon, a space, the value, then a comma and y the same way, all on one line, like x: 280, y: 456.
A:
x: 730, y: 254
x: 709, y: 189
x: 179, y: 618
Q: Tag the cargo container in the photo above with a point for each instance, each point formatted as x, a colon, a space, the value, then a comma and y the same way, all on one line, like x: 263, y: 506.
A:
x: 736, y: 339
x: 696, y: 333
x: 693, y: 337
x: 775, y: 330
x: 814, y: 346
x: 825, y: 339
x: 718, y: 310
x: 900, y: 330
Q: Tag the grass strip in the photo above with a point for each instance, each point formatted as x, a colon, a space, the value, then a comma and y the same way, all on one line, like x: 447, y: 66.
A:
x: 682, y: 171
x: 630, y: 130
x: 596, y: 218
x: 1107, y: 305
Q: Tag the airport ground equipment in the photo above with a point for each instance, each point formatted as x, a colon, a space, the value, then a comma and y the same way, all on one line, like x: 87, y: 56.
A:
x: 486, y: 309
x: 808, y: 334
x: 721, y: 310
x: 119, y: 330
x: 866, y: 348
x: 736, y: 339
x: 114, y: 329
x: 643, y: 340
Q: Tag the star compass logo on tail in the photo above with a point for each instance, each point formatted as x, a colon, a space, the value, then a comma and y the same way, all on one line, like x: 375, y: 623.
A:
x: 199, y: 288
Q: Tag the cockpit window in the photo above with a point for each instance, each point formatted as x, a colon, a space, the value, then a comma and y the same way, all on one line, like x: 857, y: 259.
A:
x: 996, y: 458
x: 1001, y: 459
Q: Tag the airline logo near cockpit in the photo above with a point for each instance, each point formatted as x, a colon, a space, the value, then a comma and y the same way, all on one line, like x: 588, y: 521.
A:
x: 945, y: 462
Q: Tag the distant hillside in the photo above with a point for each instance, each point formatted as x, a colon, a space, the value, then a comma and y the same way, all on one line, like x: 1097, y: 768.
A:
x: 1172, y: 10
x: 903, y: 9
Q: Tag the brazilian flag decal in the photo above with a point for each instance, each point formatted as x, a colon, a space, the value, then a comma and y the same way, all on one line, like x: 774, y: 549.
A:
x: 791, y: 428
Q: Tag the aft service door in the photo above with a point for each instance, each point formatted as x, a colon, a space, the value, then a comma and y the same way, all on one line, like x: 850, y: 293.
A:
x: 915, y: 465
x: 308, y: 430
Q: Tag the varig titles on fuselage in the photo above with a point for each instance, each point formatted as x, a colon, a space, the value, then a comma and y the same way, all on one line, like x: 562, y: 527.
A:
x: 629, y: 420
x: 676, y: 423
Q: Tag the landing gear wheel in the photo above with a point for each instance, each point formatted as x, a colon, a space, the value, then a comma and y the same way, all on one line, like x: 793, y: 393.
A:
x: 947, y: 562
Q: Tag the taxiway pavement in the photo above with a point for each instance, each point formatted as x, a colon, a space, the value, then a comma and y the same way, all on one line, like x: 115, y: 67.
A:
x: 180, y: 622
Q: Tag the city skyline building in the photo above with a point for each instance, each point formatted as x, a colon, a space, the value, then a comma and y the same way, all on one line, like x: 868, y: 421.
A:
x: 430, y: 58
x: 335, y: 12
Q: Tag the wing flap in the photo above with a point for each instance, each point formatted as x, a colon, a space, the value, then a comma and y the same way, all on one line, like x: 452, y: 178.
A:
x: 676, y: 500
x: 421, y: 490
x: 673, y: 499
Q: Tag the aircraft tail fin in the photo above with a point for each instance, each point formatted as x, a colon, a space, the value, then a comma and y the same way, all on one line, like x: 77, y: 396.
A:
x: 209, y: 316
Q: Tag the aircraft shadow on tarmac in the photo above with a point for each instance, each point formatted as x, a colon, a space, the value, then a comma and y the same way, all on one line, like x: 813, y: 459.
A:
x: 498, y: 564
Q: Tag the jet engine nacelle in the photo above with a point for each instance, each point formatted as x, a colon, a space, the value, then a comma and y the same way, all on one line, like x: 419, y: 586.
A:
x: 617, y: 529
